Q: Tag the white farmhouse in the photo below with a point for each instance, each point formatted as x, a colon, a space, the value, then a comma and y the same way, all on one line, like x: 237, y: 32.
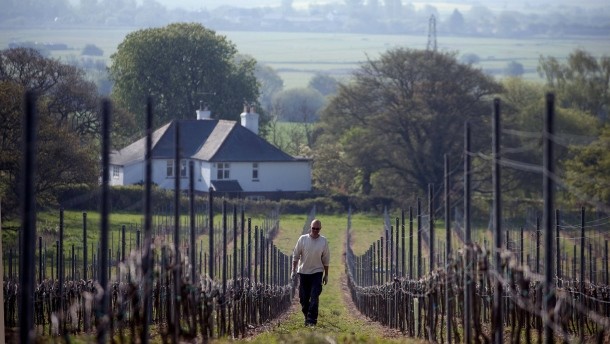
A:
x: 228, y: 157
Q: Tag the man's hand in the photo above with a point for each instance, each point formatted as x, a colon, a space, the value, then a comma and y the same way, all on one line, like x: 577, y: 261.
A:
x: 325, y: 279
x: 293, y: 274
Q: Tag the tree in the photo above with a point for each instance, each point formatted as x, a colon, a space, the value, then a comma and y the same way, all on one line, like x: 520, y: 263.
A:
x: 455, y: 23
x: 68, y: 125
x: 92, y: 50
x: 178, y: 66
x: 324, y: 83
x: 523, y: 107
x: 398, y: 117
x: 587, y: 173
x: 583, y: 82
x: 514, y: 68
x: 299, y: 105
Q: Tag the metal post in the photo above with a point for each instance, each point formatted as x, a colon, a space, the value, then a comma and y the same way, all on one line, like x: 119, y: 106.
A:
x: 147, y: 261
x: 448, y: 252
x: 548, y: 194
x: 177, y: 175
x: 28, y: 222
x: 432, y: 310
x: 468, y: 290
x: 557, y: 247
x: 497, y: 323
x: 104, y: 226
x: 582, y: 268
x: 211, y: 232
x: 192, y: 220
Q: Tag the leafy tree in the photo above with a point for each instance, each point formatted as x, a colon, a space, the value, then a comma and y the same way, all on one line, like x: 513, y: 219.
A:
x: 269, y: 82
x: 300, y: 105
x: 68, y: 125
x: 583, y: 82
x: 178, y: 66
x: 587, y: 172
x: 399, y: 116
x: 324, y: 83
x: 523, y: 108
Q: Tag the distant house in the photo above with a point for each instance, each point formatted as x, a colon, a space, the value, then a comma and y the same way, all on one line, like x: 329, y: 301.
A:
x: 228, y: 156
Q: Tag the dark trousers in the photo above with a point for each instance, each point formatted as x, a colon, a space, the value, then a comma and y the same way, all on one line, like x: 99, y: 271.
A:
x: 310, y: 288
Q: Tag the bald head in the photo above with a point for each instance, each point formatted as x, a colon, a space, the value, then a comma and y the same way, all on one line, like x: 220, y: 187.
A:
x: 315, y: 228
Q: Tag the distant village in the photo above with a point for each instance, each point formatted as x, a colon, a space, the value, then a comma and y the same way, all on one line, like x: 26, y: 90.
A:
x: 372, y: 17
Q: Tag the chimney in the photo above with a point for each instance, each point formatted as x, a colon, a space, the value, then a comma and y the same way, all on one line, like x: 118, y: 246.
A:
x: 249, y: 119
x: 203, y: 112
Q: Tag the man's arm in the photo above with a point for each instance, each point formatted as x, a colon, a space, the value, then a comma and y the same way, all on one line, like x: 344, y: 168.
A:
x: 325, y: 278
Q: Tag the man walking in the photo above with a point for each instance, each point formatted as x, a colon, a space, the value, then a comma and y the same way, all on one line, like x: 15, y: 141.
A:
x: 310, y: 260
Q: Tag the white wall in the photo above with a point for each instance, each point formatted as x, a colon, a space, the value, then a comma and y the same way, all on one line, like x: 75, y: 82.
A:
x: 273, y: 176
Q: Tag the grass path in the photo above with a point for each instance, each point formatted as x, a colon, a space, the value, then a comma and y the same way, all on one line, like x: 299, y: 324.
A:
x: 339, y: 321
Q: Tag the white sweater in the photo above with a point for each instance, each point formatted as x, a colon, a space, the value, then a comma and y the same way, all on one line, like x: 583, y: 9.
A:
x: 312, y: 254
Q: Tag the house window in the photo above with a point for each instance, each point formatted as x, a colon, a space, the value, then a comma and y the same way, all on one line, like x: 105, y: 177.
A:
x: 222, y: 170
x: 255, y: 171
x: 183, y: 168
x: 115, y: 172
x: 170, y: 168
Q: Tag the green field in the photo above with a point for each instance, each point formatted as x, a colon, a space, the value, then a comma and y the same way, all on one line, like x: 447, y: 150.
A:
x: 298, y: 56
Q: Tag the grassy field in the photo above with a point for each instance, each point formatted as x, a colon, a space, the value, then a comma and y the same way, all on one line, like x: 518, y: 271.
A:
x: 298, y: 56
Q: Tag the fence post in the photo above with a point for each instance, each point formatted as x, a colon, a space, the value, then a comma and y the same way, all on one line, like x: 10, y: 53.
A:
x: 497, y: 323
x: 537, y: 244
x: 2, y: 330
x: 582, y: 268
x: 419, y: 229
x: 448, y: 251
x: 548, y: 193
x: 147, y: 261
x: 40, y: 263
x: 211, y: 232
x: 84, y: 246
x: 432, y: 305
x: 234, y: 245
x: 468, y: 290
x: 557, y: 247
x: 411, y: 243
x: 28, y: 222
x: 192, y: 218
x: 61, y: 270
x: 175, y: 313
x: 103, y: 307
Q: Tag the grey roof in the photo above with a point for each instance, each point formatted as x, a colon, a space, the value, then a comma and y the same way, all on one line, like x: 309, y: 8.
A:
x: 226, y: 186
x: 208, y: 140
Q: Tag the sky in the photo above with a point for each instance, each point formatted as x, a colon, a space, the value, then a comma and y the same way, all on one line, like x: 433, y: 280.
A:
x: 211, y: 4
